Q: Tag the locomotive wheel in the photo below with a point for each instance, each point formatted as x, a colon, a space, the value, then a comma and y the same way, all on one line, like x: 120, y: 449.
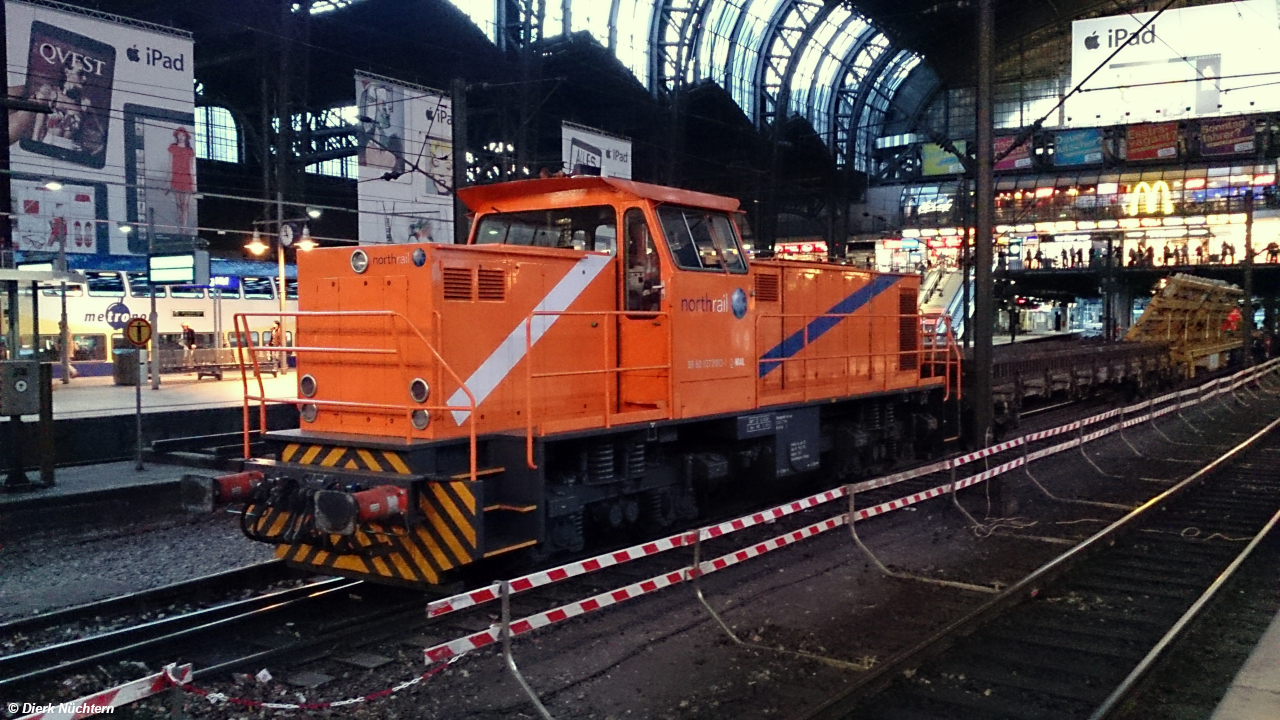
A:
x: 659, y: 509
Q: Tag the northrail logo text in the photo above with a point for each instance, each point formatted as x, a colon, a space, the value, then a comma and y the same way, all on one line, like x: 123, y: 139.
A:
x: 735, y: 303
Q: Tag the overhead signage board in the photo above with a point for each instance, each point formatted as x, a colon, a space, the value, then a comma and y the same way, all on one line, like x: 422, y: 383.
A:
x: 937, y: 161
x: 588, y: 151
x: 228, y: 283
x: 1151, y: 141
x: 405, y: 193
x: 1077, y: 147
x: 1187, y: 63
x: 119, y: 144
x: 1228, y: 136
x: 181, y: 269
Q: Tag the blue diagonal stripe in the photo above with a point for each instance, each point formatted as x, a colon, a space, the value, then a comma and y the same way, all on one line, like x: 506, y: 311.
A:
x: 819, y: 326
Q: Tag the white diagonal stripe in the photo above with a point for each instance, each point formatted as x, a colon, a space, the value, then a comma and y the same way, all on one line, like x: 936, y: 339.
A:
x: 499, y: 364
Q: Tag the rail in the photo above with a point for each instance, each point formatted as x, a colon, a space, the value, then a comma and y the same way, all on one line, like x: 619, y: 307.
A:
x: 391, y: 317
x: 925, y: 353
x: 609, y: 369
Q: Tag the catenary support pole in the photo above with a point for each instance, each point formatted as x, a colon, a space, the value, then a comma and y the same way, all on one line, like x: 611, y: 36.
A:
x: 979, y: 370
x: 282, y: 285
x: 1246, y: 326
x: 458, y: 94
x: 155, y: 317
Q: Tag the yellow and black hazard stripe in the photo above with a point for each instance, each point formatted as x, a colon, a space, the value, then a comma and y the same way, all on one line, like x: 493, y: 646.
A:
x: 335, y: 456
x: 447, y: 535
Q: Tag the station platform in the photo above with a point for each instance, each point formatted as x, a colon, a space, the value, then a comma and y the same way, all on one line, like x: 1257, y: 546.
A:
x: 1255, y: 692
x: 100, y: 397
x: 88, y: 497
x: 1035, y: 337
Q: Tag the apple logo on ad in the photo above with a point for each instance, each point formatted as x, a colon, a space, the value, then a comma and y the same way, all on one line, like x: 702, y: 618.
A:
x: 132, y: 54
x: 1091, y: 42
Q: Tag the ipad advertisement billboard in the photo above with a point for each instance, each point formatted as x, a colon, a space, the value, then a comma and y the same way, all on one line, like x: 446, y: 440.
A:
x: 1192, y: 62
x: 405, y: 193
x: 588, y: 151
x: 118, y: 143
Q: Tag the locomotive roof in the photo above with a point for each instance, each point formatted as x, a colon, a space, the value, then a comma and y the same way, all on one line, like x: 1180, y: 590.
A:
x: 485, y: 197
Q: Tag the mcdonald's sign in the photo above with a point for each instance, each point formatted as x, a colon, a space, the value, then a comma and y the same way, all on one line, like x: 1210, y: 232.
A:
x: 1150, y: 199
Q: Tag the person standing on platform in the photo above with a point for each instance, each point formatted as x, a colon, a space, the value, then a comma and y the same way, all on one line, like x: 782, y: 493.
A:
x: 277, y: 341
x: 188, y: 346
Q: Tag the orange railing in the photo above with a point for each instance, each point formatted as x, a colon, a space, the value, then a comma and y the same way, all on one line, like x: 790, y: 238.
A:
x: 607, y: 371
x: 391, y: 318
x: 927, y: 351
x: 938, y: 325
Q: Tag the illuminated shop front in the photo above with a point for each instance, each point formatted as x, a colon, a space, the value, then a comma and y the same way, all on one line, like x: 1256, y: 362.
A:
x: 1165, y: 217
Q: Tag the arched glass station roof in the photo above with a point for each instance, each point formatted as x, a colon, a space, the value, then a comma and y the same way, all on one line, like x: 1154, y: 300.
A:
x: 822, y: 61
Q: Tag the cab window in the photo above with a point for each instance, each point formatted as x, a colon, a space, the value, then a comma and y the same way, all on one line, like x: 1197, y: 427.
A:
x: 593, y: 228
x: 701, y: 240
x: 644, y: 273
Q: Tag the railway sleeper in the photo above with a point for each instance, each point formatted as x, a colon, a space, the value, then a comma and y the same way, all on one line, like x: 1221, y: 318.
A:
x: 1069, y: 613
x: 1157, y: 576
x: 962, y: 702
x: 1103, y: 587
x: 1048, y: 659
x: 1049, y: 682
x: 1095, y: 626
x: 1086, y: 643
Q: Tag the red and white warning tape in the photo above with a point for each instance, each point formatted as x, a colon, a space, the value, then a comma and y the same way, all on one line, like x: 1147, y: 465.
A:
x: 475, y: 641
x: 988, y: 451
x: 780, y: 541
x: 554, y: 575
x: 1043, y: 434
x: 903, y: 476
x: 988, y: 474
x: 108, y: 700
x: 743, y: 523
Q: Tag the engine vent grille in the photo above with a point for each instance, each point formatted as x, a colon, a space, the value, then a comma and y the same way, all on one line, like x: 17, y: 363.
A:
x: 458, y: 284
x: 908, y: 322
x: 493, y: 284
x: 766, y: 288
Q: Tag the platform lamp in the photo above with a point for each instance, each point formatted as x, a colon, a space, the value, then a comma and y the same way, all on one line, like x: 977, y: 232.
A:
x: 64, y: 328
x: 287, y: 236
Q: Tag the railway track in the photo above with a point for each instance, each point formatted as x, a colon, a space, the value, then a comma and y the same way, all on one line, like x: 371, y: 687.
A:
x: 205, y: 589
x: 133, y: 641
x: 1073, y: 639
x: 304, y: 626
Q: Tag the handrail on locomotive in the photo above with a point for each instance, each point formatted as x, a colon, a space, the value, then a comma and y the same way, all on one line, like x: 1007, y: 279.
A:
x: 391, y: 316
x: 605, y: 372
x: 929, y: 328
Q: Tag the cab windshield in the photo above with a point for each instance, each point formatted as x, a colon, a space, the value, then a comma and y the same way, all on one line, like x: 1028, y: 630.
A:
x: 701, y: 240
x: 593, y: 228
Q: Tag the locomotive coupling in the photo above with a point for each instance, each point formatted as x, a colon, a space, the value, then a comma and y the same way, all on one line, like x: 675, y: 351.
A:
x: 201, y: 493
x: 337, y: 512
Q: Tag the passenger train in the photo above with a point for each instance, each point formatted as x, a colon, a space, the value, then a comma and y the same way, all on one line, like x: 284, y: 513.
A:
x: 601, y: 356
x: 117, y: 290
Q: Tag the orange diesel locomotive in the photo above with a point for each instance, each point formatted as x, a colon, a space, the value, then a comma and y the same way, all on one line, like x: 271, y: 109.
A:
x: 601, y: 353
